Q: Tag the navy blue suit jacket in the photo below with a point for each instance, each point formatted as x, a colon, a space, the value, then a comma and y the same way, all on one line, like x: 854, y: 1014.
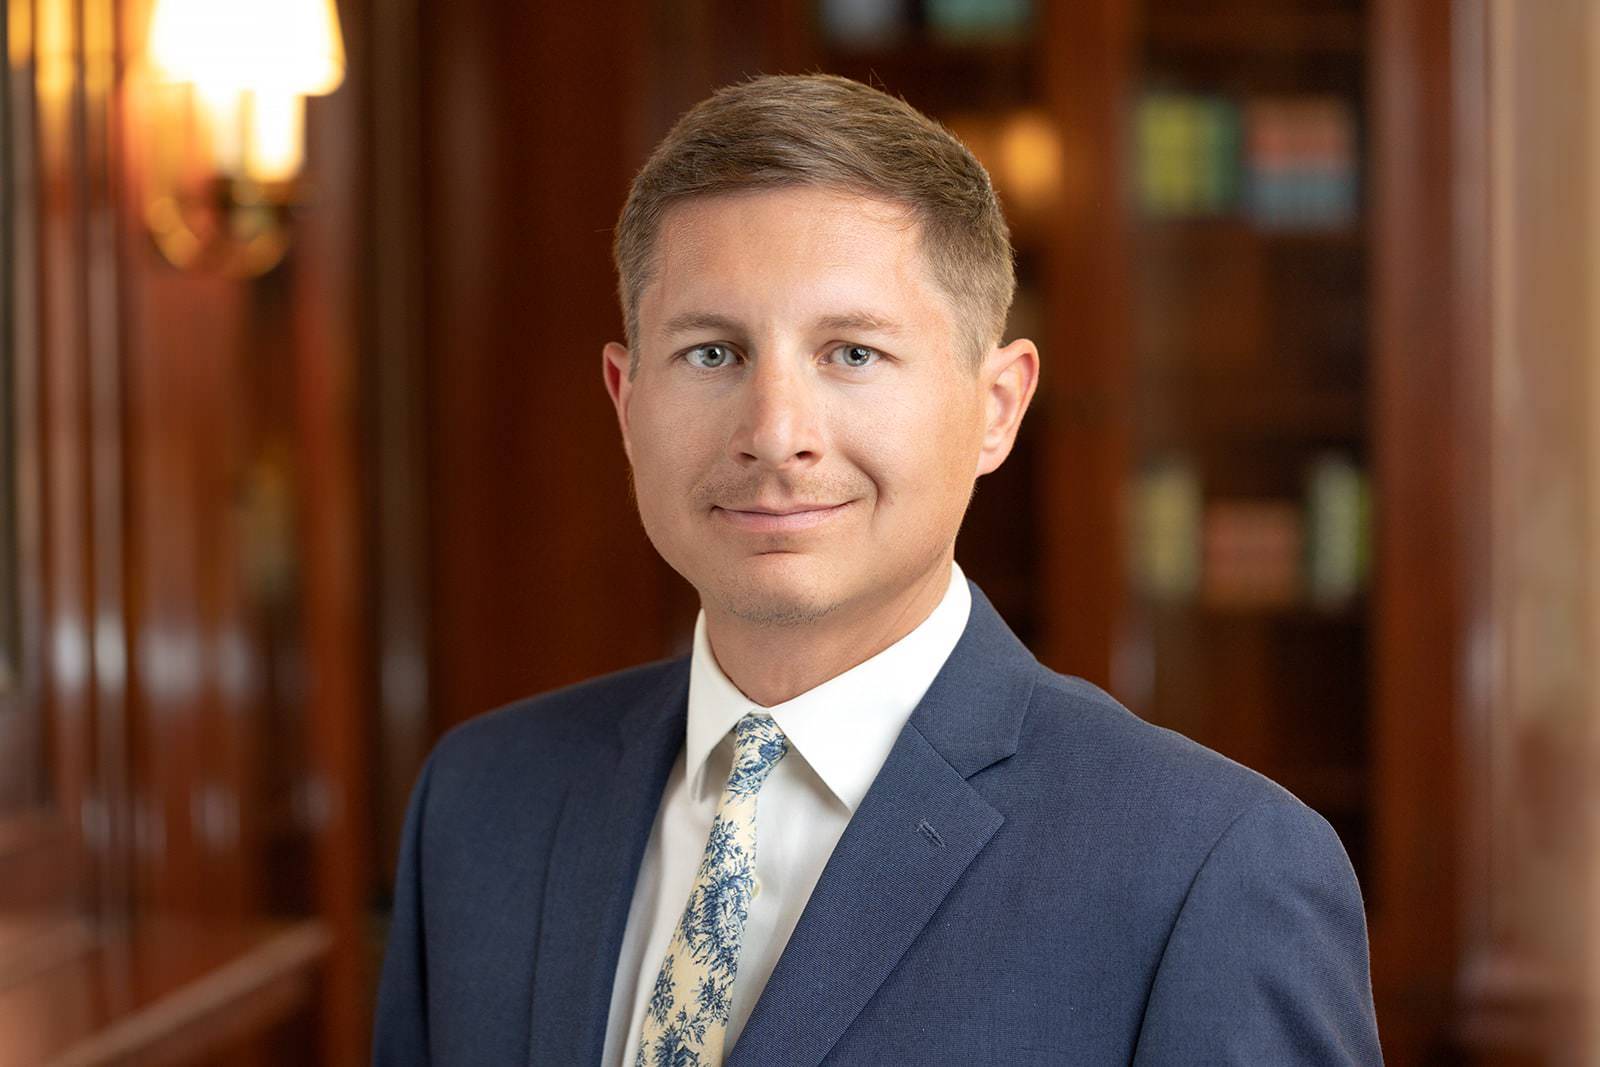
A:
x: 1035, y: 876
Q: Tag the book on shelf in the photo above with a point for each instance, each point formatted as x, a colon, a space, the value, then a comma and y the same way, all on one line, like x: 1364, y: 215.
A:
x: 864, y: 23
x: 1300, y: 162
x: 1188, y: 148
x: 1338, y: 530
x: 1252, y: 553
x: 1167, y: 506
x: 977, y: 20
x: 1280, y: 162
x: 1262, y: 553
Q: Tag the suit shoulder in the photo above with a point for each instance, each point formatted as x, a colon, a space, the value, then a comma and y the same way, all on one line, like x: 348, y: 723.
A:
x: 583, y: 712
x: 1153, y: 770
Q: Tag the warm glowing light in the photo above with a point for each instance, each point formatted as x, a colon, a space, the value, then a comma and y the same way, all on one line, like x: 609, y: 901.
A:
x: 259, y: 136
x: 252, y: 63
x: 273, y: 47
x: 57, y: 69
x: 277, y: 137
x: 19, y: 32
x: 221, y: 113
x: 1031, y: 152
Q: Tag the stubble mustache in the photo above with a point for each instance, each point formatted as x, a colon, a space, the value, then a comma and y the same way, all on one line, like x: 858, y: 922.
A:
x: 745, y: 491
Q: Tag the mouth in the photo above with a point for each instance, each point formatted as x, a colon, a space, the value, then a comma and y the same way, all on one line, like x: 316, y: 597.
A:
x: 780, y: 520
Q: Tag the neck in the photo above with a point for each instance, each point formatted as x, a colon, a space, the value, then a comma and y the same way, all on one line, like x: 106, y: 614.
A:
x: 772, y: 664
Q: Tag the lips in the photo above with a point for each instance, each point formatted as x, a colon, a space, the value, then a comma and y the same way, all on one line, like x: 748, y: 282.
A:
x: 780, y: 519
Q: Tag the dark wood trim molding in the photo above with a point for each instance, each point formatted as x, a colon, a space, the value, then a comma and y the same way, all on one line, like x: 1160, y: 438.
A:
x: 1421, y: 628
x: 1082, y: 413
x: 164, y: 991
x: 395, y: 386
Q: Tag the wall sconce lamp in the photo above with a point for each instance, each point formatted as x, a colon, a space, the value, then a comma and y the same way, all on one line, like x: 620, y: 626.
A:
x: 226, y: 151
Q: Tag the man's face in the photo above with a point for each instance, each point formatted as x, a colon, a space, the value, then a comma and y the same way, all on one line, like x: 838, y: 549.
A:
x: 804, y: 425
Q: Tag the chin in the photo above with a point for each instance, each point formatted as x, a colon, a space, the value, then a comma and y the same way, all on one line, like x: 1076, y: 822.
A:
x: 783, y: 596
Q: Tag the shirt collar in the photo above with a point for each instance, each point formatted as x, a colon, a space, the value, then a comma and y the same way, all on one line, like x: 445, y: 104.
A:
x: 845, y: 727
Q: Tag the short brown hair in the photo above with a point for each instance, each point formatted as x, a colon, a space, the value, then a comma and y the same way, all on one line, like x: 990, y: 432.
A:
x: 824, y: 130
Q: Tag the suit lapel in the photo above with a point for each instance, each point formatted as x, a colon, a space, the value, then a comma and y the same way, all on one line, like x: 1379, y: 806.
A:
x: 594, y: 861
x: 918, y: 828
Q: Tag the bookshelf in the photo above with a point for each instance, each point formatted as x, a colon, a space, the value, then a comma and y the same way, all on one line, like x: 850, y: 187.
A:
x: 1251, y: 403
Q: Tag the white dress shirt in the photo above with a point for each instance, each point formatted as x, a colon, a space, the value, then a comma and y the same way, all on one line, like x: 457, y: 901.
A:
x: 839, y: 735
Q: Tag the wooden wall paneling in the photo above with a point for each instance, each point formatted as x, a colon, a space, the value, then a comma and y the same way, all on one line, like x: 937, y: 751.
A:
x: 325, y: 319
x: 102, y: 314
x: 207, y: 388
x: 60, y: 844
x: 1474, y: 323
x: 66, y: 487
x: 20, y: 733
x: 64, y: 877
x: 1529, y: 897
x: 147, y: 400
x: 39, y: 836
x: 1585, y: 831
x: 251, y: 569
x: 1082, y: 410
x: 169, y: 991
x: 541, y: 573
x: 1421, y: 627
x: 396, y: 453
x: 196, y: 664
x: 790, y: 36
x: 177, y: 331
x: 199, y: 416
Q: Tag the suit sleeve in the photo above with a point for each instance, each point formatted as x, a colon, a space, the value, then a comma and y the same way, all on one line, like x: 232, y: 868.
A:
x: 400, y: 1028
x: 1267, y: 961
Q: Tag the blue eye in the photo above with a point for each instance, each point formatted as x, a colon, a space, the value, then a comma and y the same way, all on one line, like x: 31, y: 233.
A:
x: 858, y: 355
x: 710, y: 356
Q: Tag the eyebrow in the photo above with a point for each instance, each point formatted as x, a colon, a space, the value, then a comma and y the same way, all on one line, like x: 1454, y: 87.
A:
x: 859, y: 320
x: 691, y: 321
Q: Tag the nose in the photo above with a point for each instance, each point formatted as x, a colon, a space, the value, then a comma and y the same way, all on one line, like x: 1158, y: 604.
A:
x: 778, y: 416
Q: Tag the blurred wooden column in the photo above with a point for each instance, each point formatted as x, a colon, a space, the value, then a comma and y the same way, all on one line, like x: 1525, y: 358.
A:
x: 538, y: 571
x: 1421, y: 626
x: 1085, y: 417
x: 1530, y: 324
x: 183, y: 794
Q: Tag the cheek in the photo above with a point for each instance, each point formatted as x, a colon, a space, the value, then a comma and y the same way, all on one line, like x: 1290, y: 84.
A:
x: 670, y: 451
x: 921, y: 456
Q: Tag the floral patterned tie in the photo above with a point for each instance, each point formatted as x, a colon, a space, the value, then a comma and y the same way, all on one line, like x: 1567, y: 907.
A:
x: 686, y: 1019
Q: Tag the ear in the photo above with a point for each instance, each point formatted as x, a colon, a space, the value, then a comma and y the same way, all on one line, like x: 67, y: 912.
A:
x: 614, y: 363
x: 1009, y: 376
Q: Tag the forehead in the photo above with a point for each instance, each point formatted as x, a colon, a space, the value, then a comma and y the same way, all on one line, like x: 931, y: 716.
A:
x: 782, y: 251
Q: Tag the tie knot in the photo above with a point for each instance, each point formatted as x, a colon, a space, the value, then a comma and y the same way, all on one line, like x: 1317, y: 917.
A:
x: 758, y: 745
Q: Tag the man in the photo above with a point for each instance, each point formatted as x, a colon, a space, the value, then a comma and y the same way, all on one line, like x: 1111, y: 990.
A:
x: 859, y: 823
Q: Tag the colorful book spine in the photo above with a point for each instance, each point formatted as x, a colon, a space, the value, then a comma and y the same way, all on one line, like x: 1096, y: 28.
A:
x: 966, y: 20
x: 1287, y: 162
x: 1253, y: 553
x: 1338, y: 530
x: 1168, y: 507
x: 1253, y: 550
x: 1300, y: 162
x: 1188, y: 154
